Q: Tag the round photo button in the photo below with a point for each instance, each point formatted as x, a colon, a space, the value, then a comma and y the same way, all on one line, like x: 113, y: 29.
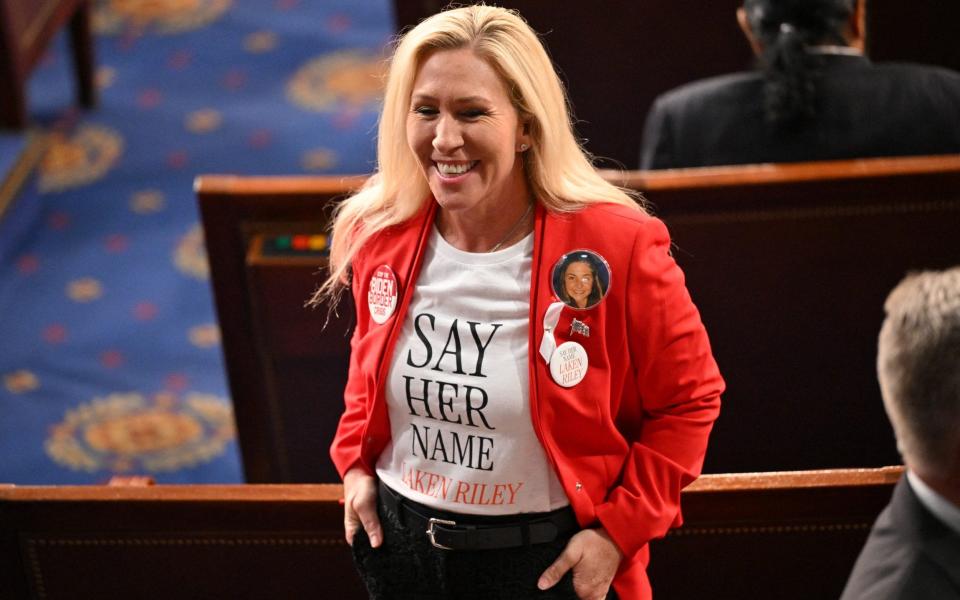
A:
x: 580, y: 279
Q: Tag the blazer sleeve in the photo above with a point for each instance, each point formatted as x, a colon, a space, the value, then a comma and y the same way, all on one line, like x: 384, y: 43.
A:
x: 679, y: 387
x: 348, y: 440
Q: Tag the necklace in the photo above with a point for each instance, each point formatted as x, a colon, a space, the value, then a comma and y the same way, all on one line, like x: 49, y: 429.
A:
x: 513, y: 229
x: 841, y: 50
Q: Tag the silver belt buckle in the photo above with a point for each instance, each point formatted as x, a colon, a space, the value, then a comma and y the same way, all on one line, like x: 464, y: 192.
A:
x: 431, y: 533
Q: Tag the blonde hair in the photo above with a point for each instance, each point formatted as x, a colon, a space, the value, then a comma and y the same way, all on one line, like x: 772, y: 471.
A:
x: 559, y: 171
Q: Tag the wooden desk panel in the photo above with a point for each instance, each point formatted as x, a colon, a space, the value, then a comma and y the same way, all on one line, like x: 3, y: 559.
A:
x: 286, y: 372
x: 789, y: 536
x: 174, y: 542
x: 762, y: 535
x: 305, y: 397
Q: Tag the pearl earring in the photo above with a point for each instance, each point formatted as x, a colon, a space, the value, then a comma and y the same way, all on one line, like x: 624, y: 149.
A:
x: 523, y: 147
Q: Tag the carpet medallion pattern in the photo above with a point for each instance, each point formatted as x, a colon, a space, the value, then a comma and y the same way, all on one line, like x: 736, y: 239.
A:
x: 110, y: 361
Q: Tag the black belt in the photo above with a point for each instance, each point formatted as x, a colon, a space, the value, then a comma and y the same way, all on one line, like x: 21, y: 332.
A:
x: 451, y: 531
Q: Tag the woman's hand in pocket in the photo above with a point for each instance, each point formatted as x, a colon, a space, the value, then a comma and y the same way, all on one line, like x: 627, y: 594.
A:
x: 360, y: 506
x: 594, y: 559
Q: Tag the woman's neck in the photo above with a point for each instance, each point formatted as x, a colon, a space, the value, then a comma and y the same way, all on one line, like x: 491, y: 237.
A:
x: 491, y: 225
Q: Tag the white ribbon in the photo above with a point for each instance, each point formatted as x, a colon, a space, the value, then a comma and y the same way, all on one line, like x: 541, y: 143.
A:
x: 550, y: 319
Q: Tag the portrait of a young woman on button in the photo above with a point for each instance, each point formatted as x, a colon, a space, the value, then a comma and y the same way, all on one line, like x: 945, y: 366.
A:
x: 581, y: 279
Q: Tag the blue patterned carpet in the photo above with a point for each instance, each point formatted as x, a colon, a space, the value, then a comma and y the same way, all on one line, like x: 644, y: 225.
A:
x: 110, y: 361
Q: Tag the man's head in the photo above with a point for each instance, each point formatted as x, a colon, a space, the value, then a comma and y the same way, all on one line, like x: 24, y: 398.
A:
x: 918, y: 363
x: 814, y: 22
x: 788, y: 37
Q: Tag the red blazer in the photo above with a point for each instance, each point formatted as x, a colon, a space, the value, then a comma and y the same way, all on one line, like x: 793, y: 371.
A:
x: 627, y: 438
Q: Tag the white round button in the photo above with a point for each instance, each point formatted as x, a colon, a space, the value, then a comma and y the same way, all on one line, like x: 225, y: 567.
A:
x: 568, y: 364
x: 382, y: 294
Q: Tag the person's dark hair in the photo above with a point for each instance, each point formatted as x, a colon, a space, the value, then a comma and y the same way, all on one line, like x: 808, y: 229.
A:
x: 785, y: 28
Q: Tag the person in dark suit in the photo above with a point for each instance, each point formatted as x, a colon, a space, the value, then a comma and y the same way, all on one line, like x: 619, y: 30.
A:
x: 815, y: 96
x: 913, y: 551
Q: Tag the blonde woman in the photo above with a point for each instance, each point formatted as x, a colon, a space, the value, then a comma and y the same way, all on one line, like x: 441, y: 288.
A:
x: 497, y: 442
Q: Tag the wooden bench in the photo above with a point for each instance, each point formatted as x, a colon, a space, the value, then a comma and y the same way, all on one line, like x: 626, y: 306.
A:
x: 764, y: 535
x: 788, y: 264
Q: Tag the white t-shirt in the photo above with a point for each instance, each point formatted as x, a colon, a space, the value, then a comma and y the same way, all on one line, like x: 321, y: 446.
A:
x: 457, y: 391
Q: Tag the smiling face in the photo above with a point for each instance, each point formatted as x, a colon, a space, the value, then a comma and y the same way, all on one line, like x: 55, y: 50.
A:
x: 466, y: 134
x: 578, y: 282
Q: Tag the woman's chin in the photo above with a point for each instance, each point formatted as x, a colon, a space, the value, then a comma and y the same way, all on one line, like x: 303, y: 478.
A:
x: 451, y: 200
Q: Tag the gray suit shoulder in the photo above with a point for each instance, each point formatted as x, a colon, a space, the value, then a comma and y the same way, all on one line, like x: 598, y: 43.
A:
x: 916, y: 577
x: 909, y: 555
